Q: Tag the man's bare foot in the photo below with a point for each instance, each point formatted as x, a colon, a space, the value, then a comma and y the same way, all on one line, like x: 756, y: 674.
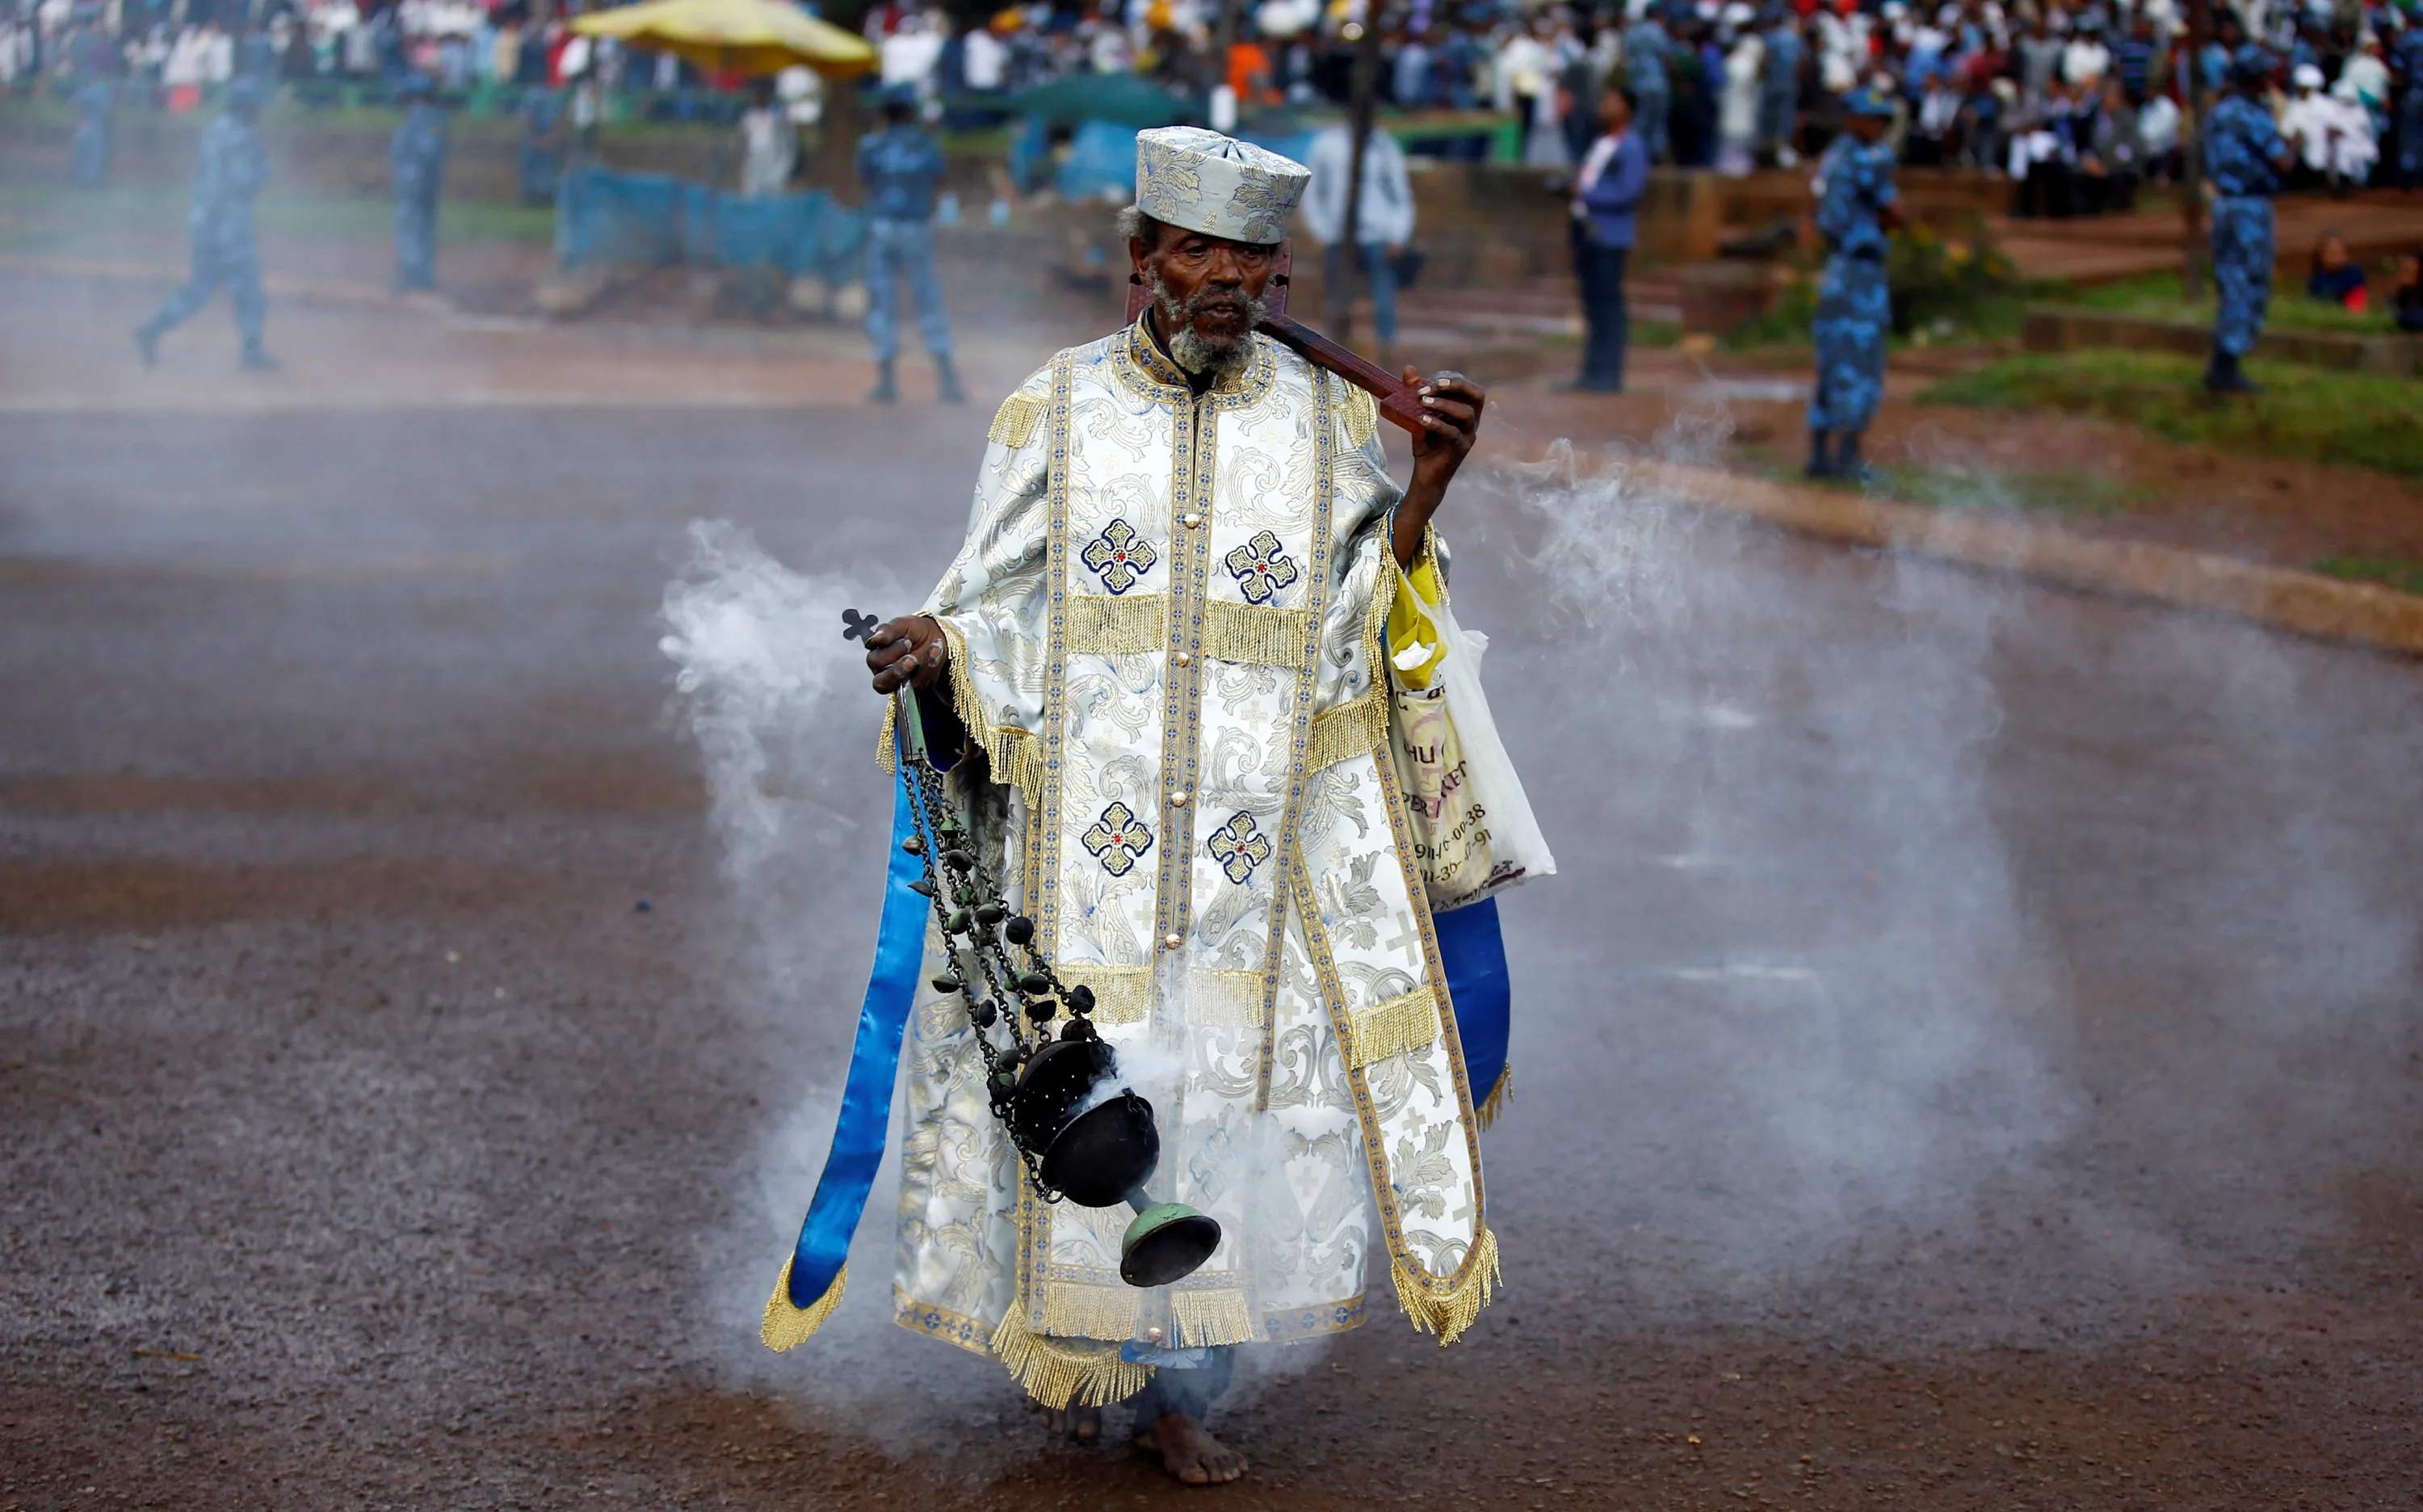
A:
x: 1078, y: 1424
x: 1189, y: 1454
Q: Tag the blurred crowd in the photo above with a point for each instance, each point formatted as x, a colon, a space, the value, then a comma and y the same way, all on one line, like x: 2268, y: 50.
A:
x: 2079, y: 103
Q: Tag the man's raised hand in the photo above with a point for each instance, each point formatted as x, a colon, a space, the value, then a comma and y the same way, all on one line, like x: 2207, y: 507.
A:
x: 909, y: 651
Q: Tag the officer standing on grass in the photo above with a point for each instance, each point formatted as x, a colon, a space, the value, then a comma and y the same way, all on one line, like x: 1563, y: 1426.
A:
x: 900, y: 166
x: 1857, y: 205
x: 2244, y: 156
x: 233, y: 168
x: 417, y: 158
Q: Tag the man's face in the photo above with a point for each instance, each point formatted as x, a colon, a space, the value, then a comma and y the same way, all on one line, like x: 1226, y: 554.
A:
x: 1613, y: 114
x: 1868, y: 128
x: 1207, y: 291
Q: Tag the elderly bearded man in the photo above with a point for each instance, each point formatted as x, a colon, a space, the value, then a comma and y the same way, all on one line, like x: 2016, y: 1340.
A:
x: 1189, y: 599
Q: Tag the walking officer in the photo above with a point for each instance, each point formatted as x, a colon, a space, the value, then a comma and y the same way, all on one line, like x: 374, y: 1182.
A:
x: 234, y: 168
x: 2244, y: 156
x: 417, y: 158
x: 900, y: 165
x: 1857, y: 205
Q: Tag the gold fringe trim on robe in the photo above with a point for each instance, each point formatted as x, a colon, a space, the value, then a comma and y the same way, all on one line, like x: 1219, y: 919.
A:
x: 1014, y: 423
x: 1102, y: 625
x: 1210, y: 1318
x: 1062, y: 1372
x: 1354, y: 728
x: 1495, y: 1103
x: 1255, y: 636
x: 1122, y: 995
x: 1361, y: 413
x: 1074, y: 1311
x: 1407, y: 1022
x: 1014, y: 754
x: 1443, y: 1308
x: 787, y: 1327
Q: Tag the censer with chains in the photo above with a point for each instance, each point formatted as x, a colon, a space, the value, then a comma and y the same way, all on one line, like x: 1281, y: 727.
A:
x: 1045, y: 1086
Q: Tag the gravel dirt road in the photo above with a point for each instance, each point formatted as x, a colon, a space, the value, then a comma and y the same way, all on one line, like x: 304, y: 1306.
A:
x: 1968, y: 1060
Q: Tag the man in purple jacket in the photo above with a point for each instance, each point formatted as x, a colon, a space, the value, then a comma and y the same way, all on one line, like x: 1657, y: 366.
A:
x: 1606, y: 194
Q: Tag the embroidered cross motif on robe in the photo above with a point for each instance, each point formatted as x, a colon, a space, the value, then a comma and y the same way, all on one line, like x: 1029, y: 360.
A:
x: 1260, y: 567
x: 1117, y: 839
x: 1238, y: 849
x: 1118, y: 557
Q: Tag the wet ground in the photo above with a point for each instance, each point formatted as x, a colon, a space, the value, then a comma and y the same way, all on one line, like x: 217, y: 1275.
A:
x: 1969, y: 1057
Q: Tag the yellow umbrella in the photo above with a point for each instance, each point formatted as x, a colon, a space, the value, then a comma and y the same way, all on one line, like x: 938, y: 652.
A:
x: 749, y: 36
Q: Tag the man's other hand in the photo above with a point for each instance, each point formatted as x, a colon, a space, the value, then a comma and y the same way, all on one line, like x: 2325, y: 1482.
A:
x: 908, y: 650
x: 1451, y: 405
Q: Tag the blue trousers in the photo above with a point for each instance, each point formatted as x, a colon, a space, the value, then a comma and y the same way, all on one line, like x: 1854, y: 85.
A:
x: 239, y: 268
x: 2410, y: 137
x: 1379, y: 276
x: 1854, y: 308
x: 538, y: 168
x: 898, y: 251
x: 1600, y: 272
x: 91, y: 145
x: 1188, y: 1392
x: 2241, y: 269
x: 416, y: 241
x: 1776, y: 109
x: 1649, y: 118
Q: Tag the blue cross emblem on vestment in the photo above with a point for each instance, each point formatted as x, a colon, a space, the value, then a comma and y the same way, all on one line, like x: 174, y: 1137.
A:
x: 1119, y: 558
x: 1260, y: 567
x: 1117, y: 839
x: 1238, y: 848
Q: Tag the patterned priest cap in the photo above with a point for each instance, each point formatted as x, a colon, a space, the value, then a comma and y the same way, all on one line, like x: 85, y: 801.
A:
x: 1204, y: 181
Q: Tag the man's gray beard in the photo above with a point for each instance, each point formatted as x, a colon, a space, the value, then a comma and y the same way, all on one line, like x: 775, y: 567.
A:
x: 1205, y: 360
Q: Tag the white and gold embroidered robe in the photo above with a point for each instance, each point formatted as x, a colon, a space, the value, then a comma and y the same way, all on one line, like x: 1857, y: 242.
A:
x: 1166, y: 631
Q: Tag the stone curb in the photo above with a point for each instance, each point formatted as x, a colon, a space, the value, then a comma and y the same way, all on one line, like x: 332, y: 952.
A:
x: 2304, y: 602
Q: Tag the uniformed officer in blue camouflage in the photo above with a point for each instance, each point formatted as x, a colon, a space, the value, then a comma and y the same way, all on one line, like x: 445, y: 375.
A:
x: 2244, y: 156
x: 900, y: 166
x: 1857, y: 206
x: 539, y: 161
x: 415, y: 158
x: 93, y: 97
x: 233, y: 168
x: 1779, y: 85
x: 1647, y: 50
x: 2406, y: 63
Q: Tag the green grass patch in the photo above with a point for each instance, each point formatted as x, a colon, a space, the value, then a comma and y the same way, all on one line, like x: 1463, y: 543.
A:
x: 2310, y: 414
x: 2160, y: 297
x: 2388, y: 571
x: 1654, y: 333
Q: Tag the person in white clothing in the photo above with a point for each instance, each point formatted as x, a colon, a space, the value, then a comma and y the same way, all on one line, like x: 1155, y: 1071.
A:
x: 769, y: 144
x: 1383, y: 219
x: 2333, y: 137
x: 1737, y: 115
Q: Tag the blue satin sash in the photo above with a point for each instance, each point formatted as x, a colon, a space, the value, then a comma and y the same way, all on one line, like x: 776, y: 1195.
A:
x: 1472, y: 952
x: 873, y: 1064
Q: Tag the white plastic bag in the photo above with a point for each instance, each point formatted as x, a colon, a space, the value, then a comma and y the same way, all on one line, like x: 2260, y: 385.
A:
x: 1474, y: 834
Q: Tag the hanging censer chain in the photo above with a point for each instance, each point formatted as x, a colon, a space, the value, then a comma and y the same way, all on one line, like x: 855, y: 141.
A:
x: 1094, y: 1151
x: 978, y: 931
